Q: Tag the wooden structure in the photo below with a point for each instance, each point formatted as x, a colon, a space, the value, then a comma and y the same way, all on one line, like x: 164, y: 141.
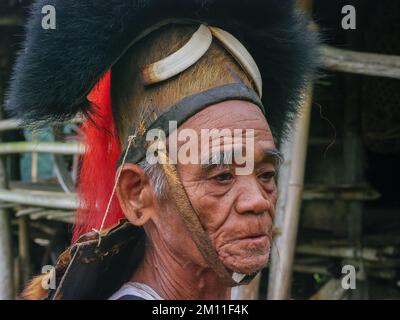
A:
x: 324, y: 218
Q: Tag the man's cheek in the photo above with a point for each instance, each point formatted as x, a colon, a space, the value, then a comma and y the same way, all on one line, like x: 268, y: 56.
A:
x: 212, y: 218
x: 272, y: 211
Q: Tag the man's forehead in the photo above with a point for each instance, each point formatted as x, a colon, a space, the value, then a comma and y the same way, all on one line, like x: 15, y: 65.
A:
x: 229, y: 114
x: 230, y: 132
x: 226, y: 155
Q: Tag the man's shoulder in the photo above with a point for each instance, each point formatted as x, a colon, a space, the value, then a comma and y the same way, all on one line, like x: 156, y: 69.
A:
x: 135, y: 291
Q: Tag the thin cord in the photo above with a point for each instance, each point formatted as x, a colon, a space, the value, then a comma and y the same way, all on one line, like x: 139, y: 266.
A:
x: 333, y: 128
x: 130, y: 139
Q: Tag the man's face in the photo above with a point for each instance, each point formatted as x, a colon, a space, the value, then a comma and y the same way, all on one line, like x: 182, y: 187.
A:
x: 237, y: 211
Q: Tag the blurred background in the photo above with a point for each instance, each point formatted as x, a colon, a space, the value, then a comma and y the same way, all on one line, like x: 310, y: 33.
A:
x: 344, y: 156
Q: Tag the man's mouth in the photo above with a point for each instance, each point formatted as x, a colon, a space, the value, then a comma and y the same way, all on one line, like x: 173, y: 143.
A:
x: 255, y: 239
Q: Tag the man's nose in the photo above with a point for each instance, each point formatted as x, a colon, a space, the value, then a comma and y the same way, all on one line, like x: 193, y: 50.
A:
x: 252, y: 199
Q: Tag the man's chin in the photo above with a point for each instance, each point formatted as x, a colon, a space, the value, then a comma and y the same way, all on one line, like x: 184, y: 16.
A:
x: 249, y: 265
x: 245, y: 257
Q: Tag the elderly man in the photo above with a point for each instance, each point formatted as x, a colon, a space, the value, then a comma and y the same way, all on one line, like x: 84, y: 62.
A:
x: 196, y: 112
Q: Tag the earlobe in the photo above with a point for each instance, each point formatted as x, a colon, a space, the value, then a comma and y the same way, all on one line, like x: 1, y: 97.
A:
x: 133, y: 194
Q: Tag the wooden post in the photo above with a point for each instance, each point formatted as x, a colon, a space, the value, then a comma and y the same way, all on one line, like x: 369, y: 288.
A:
x: 365, y: 63
x: 6, y: 263
x: 353, y: 169
x: 23, y: 250
x: 332, y: 290
x: 34, y: 160
x: 354, y: 173
x: 290, y: 187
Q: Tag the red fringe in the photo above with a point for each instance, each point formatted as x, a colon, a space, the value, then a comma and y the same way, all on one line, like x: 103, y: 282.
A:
x: 98, y: 166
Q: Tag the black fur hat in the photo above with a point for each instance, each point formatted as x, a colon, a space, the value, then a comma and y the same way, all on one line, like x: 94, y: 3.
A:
x: 56, y: 68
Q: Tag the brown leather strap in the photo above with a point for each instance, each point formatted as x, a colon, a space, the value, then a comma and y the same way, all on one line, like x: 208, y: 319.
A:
x: 193, y: 224
x: 192, y: 221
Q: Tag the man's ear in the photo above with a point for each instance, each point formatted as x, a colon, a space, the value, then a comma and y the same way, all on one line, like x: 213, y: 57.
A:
x: 135, y: 195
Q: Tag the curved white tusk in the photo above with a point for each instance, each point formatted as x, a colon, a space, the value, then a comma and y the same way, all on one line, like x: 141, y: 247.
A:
x: 180, y: 60
x: 240, y: 53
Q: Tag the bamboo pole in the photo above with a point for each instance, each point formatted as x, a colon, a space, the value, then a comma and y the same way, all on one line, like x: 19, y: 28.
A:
x: 16, y: 124
x: 6, y: 264
x: 51, y: 214
x: 70, y: 148
x: 56, y: 200
x: 368, y: 254
x: 371, y: 64
x: 23, y: 249
x: 10, y: 124
x: 11, y: 21
x: 290, y: 188
x: 6, y: 256
x: 34, y: 160
x: 332, y: 290
x: 321, y: 269
x: 343, y: 192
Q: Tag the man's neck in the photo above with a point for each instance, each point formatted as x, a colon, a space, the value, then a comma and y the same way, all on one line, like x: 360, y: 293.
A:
x: 173, y: 278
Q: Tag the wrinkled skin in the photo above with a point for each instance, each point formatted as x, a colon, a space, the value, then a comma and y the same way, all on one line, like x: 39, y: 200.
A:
x: 237, y: 212
x: 234, y: 208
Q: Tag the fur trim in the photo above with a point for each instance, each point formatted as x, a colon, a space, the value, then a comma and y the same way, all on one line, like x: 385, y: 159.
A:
x: 56, y: 69
x: 34, y: 290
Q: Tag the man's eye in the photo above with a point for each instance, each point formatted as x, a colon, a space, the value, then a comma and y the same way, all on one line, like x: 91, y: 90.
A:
x: 267, y: 176
x: 224, y: 177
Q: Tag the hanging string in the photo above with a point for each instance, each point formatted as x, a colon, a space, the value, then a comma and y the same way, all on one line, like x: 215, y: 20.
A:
x: 130, y: 140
